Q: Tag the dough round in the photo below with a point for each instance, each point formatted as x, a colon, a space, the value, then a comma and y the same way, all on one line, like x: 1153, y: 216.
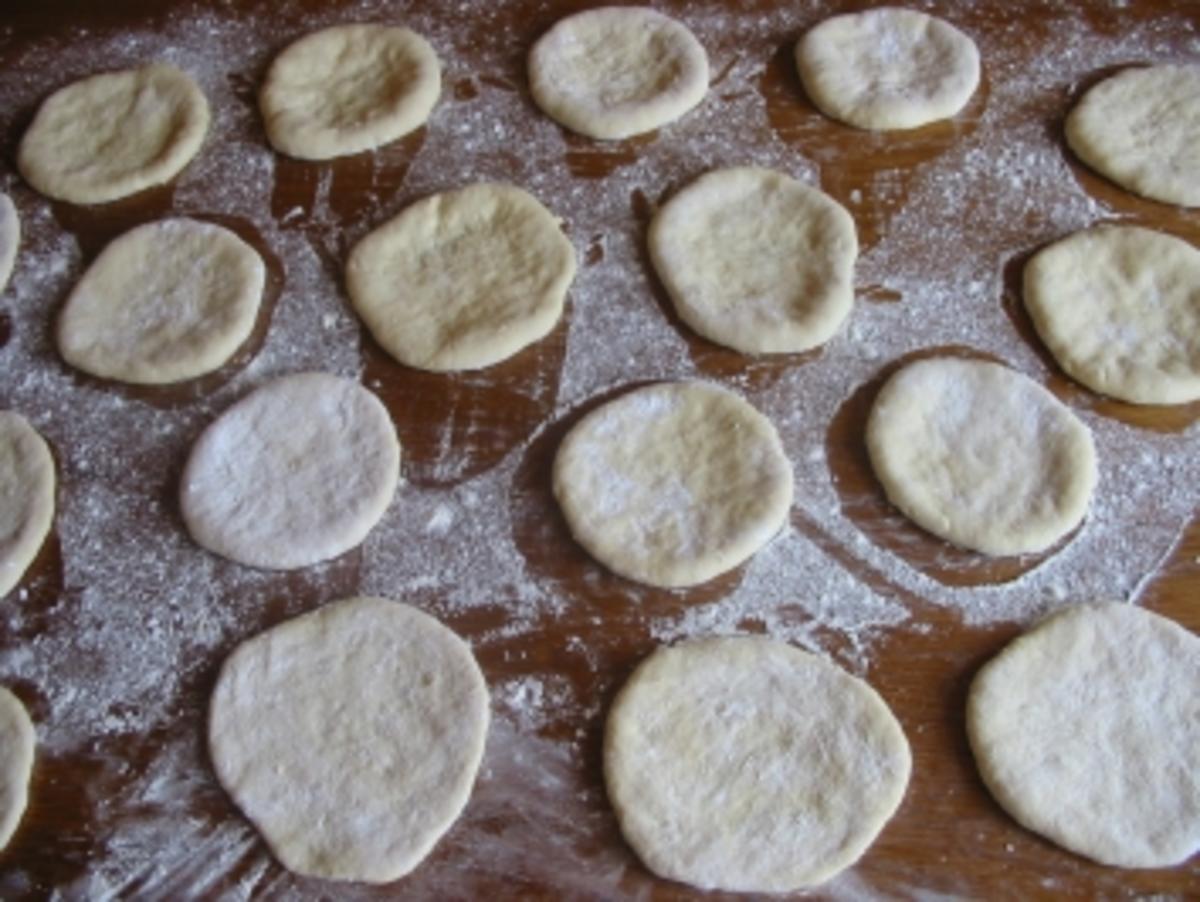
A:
x: 295, y: 473
x: 10, y: 238
x: 1087, y: 730
x: 347, y: 89
x: 1141, y: 129
x: 981, y: 455
x: 617, y: 71
x: 747, y: 765
x: 112, y: 135
x: 673, y: 484
x: 463, y: 279
x: 756, y: 261
x: 167, y: 301
x: 350, y: 736
x: 1119, y: 307
x: 17, y: 739
x: 888, y: 68
x: 26, y: 496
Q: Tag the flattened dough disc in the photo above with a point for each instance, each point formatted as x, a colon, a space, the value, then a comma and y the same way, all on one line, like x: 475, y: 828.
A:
x: 26, y: 496
x: 17, y: 740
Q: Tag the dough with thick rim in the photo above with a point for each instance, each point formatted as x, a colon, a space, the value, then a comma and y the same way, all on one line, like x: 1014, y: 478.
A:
x: 17, y: 742
x: 27, y: 484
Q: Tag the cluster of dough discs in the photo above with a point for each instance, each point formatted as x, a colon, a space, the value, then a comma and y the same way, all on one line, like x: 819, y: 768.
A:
x: 351, y: 736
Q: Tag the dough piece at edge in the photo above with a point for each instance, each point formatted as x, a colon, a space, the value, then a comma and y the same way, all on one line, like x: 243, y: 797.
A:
x: 10, y: 239
x: 27, y: 486
x: 17, y: 744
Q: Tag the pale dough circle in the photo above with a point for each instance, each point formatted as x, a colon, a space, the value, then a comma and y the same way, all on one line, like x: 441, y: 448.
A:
x: 112, y: 135
x: 1141, y: 129
x: 756, y: 261
x: 350, y: 737
x: 617, y: 71
x: 462, y: 279
x: 1087, y: 730
x: 673, y: 484
x: 747, y: 765
x: 17, y: 740
x: 888, y: 68
x: 981, y: 456
x: 26, y: 496
x: 167, y: 301
x: 297, y: 472
x: 349, y: 88
x: 1119, y: 307
x: 10, y: 238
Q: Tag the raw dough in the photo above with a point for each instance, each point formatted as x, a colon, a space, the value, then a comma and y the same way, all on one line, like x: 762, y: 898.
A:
x: 463, y: 279
x: 673, y: 484
x: 1087, y: 730
x: 349, y: 88
x: 617, y: 71
x: 756, y: 261
x: 295, y: 473
x: 350, y: 736
x: 26, y: 496
x: 1119, y: 307
x: 981, y: 455
x: 17, y: 740
x: 1141, y: 129
x: 112, y: 135
x: 888, y: 68
x: 167, y: 301
x: 10, y: 238
x: 744, y: 764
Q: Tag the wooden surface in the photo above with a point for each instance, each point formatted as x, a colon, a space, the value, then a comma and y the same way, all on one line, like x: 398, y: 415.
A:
x: 948, y: 836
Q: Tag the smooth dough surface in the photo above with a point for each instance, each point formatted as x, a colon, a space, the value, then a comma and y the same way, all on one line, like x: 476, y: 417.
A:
x: 981, y: 455
x: 1141, y: 129
x: 112, y: 135
x: 673, y: 484
x: 1087, y: 730
x: 26, y: 496
x: 350, y: 736
x: 10, y: 238
x: 17, y: 741
x: 745, y: 764
x: 617, y: 71
x: 1119, y: 307
x: 295, y: 473
x: 463, y: 279
x: 888, y: 68
x: 167, y: 301
x: 347, y: 89
x: 756, y: 261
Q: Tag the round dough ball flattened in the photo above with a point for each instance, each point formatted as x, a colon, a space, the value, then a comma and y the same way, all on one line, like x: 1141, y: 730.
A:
x: 350, y: 736
x: 295, y: 473
x: 347, y: 89
x: 167, y: 301
x: 617, y: 71
x: 756, y: 261
x: 981, y: 455
x: 10, y: 238
x: 1141, y: 129
x: 463, y: 279
x: 673, y: 484
x: 1087, y: 730
x: 888, y: 68
x: 112, y: 135
x: 745, y: 764
x: 26, y: 496
x: 17, y: 740
x: 1119, y: 307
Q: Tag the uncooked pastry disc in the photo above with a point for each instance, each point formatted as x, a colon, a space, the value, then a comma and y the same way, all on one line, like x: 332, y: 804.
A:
x: 26, y: 496
x: 167, y: 301
x: 112, y: 135
x: 1119, y: 307
x: 617, y: 71
x: 981, y: 455
x: 888, y: 68
x: 1087, y: 730
x: 462, y: 279
x: 347, y: 89
x: 756, y: 261
x: 1141, y: 129
x: 10, y: 238
x: 673, y: 484
x: 17, y: 740
x: 745, y: 764
x: 350, y: 736
x: 295, y: 473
